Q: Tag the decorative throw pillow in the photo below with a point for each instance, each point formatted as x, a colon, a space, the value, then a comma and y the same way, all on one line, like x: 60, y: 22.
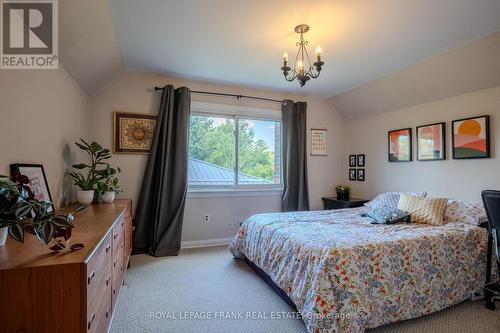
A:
x: 464, y: 212
x: 390, y: 199
x: 388, y: 215
x: 423, y: 210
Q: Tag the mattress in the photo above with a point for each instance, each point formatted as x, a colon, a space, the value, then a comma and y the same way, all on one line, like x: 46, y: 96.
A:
x: 345, y: 275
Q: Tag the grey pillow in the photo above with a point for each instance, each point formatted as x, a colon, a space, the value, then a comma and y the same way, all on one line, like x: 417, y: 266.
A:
x: 387, y: 215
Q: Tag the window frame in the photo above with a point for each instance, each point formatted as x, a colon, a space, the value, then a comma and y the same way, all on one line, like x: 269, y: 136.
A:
x: 236, y: 113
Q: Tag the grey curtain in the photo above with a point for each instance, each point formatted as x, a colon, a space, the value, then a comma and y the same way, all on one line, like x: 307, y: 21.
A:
x: 160, y: 209
x: 295, y: 191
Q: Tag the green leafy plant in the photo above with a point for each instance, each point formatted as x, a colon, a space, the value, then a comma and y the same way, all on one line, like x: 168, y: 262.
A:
x: 97, y: 171
x: 20, y: 212
x: 342, y: 189
x: 110, y: 184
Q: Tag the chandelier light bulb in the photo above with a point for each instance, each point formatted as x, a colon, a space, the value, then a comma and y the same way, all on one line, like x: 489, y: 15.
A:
x: 318, y: 53
x: 285, y: 56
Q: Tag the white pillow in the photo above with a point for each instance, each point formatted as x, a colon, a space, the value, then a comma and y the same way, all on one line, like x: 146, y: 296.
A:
x: 391, y: 199
x: 464, y: 212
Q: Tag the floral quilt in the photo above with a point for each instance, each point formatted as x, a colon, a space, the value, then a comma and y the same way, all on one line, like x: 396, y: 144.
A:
x: 346, y: 275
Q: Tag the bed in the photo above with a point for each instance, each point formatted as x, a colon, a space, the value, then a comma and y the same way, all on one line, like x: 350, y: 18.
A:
x: 344, y: 274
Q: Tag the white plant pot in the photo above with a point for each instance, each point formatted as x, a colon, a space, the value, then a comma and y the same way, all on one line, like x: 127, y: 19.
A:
x: 3, y: 236
x: 108, y: 197
x: 85, y: 197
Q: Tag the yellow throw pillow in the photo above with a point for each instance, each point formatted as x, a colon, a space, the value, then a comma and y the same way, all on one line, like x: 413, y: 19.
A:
x: 426, y: 210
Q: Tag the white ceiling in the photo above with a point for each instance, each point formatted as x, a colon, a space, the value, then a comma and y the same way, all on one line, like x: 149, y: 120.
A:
x: 242, y: 41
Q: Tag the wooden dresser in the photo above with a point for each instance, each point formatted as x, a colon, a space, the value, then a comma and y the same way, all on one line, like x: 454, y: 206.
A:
x: 43, y: 291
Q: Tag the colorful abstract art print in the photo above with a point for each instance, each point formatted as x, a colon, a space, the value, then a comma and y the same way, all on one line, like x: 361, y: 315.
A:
x: 431, y: 144
x: 471, y: 138
x: 400, y: 145
x: 133, y: 132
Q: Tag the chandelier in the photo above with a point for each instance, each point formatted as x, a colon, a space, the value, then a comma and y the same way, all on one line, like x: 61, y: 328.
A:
x: 302, y: 69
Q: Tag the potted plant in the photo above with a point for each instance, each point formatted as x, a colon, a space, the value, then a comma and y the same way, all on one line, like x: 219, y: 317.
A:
x: 109, y: 188
x: 20, y: 212
x: 96, y: 171
x: 342, y: 192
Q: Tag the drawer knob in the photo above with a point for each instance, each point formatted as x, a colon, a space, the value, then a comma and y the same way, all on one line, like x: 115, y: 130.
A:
x: 91, y: 320
x: 107, y: 312
x: 108, y: 247
x: 114, y: 264
x: 108, y: 280
x: 114, y: 236
x: 91, y: 276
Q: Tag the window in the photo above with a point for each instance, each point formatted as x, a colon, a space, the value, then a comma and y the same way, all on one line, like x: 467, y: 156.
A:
x: 233, y: 151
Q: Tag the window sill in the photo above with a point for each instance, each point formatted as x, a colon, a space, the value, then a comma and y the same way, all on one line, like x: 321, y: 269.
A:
x: 211, y: 193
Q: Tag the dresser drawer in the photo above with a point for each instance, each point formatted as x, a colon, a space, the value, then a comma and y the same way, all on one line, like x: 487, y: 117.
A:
x: 119, y: 234
x: 99, y: 287
x: 118, y: 273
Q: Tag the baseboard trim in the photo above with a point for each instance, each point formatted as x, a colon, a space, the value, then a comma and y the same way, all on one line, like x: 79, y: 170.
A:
x: 205, y: 243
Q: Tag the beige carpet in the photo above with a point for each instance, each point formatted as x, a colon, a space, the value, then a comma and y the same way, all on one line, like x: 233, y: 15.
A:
x: 160, y: 293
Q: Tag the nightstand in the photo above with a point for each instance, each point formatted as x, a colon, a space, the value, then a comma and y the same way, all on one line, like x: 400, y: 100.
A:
x: 334, y: 203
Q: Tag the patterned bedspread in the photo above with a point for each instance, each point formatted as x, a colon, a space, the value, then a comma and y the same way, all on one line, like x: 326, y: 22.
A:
x: 345, y: 274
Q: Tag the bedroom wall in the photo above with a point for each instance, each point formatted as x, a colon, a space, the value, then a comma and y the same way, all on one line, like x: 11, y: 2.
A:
x: 132, y: 92
x: 461, y: 179
x: 42, y: 112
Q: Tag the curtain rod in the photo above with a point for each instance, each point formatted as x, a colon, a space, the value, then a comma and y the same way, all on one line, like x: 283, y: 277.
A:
x: 229, y: 95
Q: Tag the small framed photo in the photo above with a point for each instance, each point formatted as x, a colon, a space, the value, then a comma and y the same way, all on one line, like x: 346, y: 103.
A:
x: 361, y: 175
x: 318, y: 141
x: 399, y: 145
x: 352, y: 174
x: 133, y: 132
x: 431, y: 145
x: 352, y: 161
x: 471, y: 138
x: 37, y: 181
x: 361, y: 160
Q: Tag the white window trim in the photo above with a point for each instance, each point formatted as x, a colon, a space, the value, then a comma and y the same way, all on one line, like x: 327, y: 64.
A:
x: 235, y: 112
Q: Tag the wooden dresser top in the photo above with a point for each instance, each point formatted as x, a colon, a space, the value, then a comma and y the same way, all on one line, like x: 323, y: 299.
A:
x: 91, y: 226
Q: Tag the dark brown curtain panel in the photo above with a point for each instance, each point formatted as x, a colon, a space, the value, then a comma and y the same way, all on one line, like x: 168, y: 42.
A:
x: 295, y: 190
x: 160, y: 209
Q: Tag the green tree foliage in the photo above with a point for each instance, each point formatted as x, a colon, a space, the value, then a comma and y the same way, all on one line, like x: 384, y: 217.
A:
x: 215, y: 144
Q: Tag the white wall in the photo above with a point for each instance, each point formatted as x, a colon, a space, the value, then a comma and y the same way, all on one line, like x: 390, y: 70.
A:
x: 461, y: 179
x: 133, y: 93
x: 42, y: 112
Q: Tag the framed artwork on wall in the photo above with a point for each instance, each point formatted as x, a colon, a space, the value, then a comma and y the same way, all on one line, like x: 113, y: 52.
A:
x: 471, y: 137
x: 318, y: 141
x: 352, y: 161
x: 36, y: 181
x: 361, y: 160
x: 399, y: 145
x: 361, y: 175
x: 431, y: 142
x: 133, y: 132
x: 352, y: 174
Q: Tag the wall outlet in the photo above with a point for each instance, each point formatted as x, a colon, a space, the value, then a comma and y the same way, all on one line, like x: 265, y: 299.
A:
x: 205, y: 218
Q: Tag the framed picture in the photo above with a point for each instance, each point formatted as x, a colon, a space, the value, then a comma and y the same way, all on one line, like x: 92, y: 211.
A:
x: 37, y: 180
x: 352, y: 160
x: 471, y: 137
x: 318, y: 141
x: 361, y: 175
x: 399, y: 145
x: 361, y: 160
x: 431, y: 142
x: 352, y: 174
x: 133, y: 132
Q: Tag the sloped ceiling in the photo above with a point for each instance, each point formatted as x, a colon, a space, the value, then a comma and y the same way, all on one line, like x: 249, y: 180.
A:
x: 379, y: 54
x: 242, y: 42
x: 472, y: 67
x: 88, y: 47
